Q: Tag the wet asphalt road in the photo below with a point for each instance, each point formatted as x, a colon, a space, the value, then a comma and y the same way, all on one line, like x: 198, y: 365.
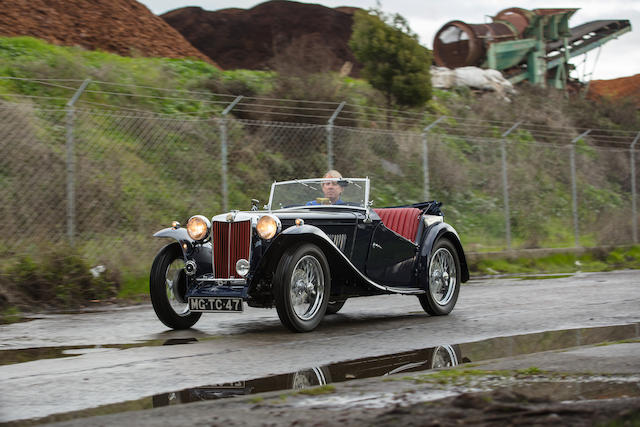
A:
x: 233, y: 347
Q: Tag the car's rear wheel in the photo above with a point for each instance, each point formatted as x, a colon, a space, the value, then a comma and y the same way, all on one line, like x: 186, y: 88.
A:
x: 334, y: 306
x: 301, y: 287
x: 443, y: 279
x: 168, y: 286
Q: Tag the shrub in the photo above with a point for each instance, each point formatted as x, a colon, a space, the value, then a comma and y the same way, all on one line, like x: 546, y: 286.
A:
x: 58, y: 277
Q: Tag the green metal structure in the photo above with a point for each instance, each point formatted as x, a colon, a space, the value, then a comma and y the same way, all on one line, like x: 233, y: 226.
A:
x: 533, y: 45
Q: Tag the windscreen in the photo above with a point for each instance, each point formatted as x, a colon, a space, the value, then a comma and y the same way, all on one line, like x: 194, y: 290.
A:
x: 347, y: 192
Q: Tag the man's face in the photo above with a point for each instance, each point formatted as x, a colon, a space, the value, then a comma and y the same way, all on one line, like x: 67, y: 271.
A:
x: 331, y: 190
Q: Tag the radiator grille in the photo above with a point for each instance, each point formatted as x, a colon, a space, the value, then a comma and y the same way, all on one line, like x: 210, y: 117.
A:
x: 231, y: 242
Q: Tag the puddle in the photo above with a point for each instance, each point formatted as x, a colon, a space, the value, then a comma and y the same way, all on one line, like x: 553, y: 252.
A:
x: 410, y: 361
x: 9, y: 357
x: 404, y: 362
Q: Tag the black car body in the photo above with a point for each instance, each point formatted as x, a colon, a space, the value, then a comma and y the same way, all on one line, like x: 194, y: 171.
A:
x: 306, y: 257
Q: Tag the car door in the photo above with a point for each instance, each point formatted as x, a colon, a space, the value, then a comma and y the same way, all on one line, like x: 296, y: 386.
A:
x: 391, y: 258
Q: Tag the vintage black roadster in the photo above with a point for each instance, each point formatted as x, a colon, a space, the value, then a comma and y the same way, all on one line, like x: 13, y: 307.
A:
x: 317, y: 243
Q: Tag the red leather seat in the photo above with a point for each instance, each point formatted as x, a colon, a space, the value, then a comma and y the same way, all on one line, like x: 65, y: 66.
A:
x: 403, y: 221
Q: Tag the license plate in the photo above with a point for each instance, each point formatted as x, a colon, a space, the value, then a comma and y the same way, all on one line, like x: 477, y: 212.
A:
x: 214, y: 305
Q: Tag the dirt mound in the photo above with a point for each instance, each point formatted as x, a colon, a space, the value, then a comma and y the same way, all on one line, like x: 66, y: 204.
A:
x: 271, y: 35
x: 125, y: 27
x: 617, y: 89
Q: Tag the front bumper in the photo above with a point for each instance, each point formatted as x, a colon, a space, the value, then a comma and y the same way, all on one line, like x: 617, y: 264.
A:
x: 207, y: 286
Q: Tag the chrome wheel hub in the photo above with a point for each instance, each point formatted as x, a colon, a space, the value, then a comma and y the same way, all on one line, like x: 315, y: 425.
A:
x: 175, y: 273
x: 442, y: 276
x: 307, y: 287
x: 444, y: 356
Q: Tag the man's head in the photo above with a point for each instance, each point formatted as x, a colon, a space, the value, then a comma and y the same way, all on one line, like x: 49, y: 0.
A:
x: 332, y: 189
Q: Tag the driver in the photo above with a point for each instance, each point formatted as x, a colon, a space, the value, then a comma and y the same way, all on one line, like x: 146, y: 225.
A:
x: 331, y: 189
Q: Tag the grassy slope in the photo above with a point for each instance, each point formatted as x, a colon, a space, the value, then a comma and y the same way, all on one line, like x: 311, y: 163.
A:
x: 476, y: 213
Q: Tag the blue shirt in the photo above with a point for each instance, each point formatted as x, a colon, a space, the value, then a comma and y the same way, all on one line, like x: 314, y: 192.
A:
x: 315, y: 203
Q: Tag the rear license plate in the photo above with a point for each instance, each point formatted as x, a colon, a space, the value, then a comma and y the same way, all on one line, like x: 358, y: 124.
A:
x: 214, y: 305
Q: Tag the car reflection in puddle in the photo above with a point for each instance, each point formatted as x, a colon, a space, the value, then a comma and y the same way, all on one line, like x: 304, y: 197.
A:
x: 418, y: 360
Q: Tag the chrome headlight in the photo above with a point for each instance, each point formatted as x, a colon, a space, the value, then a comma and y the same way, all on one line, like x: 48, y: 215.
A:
x: 268, y: 226
x: 242, y: 267
x: 198, y: 227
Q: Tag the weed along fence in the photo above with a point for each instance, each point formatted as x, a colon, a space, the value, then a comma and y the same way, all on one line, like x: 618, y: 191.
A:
x: 104, y: 179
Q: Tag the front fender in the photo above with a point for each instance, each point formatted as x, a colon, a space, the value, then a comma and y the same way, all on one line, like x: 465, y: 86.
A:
x: 435, y: 232
x: 293, y: 236
x: 179, y: 234
x: 200, y: 253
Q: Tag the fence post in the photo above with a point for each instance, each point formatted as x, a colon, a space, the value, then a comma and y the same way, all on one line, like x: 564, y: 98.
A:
x: 574, y: 190
x: 505, y: 184
x: 71, y: 165
x: 634, y: 208
x: 425, y: 158
x: 224, y: 151
x: 330, y: 135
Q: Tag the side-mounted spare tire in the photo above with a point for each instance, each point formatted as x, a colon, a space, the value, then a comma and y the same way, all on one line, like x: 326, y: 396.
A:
x: 444, y: 278
x: 168, y: 286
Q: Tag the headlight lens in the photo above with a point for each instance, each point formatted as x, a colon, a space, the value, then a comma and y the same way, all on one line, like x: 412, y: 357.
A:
x: 198, y: 227
x: 242, y: 267
x: 267, y: 227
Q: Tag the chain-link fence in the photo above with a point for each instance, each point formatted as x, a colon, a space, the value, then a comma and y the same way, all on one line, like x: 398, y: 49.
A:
x: 104, y: 181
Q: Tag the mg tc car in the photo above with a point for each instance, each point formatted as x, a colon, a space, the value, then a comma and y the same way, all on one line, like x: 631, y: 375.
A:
x: 314, y: 245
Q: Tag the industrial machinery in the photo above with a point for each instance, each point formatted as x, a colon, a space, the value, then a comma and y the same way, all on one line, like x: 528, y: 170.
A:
x: 534, y: 45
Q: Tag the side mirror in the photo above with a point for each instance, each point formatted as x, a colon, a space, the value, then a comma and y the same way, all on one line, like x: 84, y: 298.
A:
x: 254, y: 204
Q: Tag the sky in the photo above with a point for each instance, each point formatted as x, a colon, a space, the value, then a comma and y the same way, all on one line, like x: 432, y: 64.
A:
x: 617, y: 58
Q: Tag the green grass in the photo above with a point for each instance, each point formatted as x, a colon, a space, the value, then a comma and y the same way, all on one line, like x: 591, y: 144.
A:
x: 619, y: 258
x: 133, y: 287
x: 324, y: 389
x: 10, y: 315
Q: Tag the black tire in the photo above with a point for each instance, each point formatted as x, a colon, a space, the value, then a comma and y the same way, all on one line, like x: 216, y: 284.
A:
x: 167, y: 293
x: 301, y: 306
x: 334, y: 306
x: 443, y: 278
x: 446, y: 356
x: 309, y: 378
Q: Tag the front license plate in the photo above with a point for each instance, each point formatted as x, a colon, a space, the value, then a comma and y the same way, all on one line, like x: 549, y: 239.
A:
x: 211, y: 304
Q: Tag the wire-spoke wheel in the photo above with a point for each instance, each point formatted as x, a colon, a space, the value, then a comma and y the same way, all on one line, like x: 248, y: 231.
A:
x: 168, y: 286
x: 301, y: 287
x: 175, y: 287
x: 306, y: 289
x: 443, y: 279
x: 445, y: 356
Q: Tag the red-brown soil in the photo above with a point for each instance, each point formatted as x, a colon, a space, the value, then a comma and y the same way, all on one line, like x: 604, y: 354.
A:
x: 272, y: 35
x: 617, y: 89
x: 125, y: 27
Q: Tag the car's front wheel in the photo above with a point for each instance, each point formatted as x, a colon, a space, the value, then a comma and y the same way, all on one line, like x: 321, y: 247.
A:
x: 168, y: 286
x: 443, y: 279
x: 301, y: 287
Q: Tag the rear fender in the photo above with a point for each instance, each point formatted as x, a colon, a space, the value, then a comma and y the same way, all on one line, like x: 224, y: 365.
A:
x: 433, y: 233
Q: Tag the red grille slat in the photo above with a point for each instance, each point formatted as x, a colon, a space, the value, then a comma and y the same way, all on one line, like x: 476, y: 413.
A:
x: 231, y: 242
